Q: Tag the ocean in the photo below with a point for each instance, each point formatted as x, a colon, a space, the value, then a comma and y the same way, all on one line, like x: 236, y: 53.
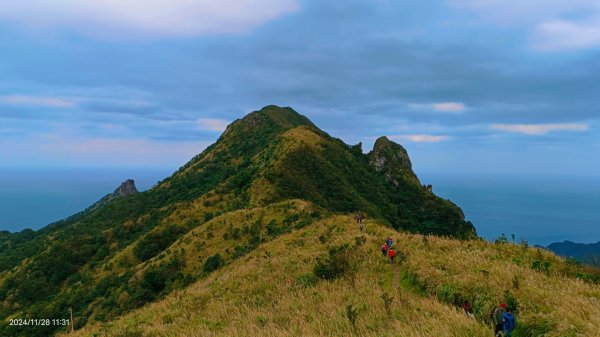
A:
x: 538, y: 209
x: 33, y: 198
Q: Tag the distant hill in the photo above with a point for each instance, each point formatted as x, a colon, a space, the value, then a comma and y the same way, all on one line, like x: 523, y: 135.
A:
x: 586, y: 253
x: 261, y: 213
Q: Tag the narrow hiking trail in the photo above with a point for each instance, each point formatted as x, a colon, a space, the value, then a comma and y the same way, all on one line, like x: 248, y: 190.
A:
x: 395, y: 280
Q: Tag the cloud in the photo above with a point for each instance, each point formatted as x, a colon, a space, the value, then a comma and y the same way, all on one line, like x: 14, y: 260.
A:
x: 211, y: 124
x: 448, y: 107
x: 554, y: 24
x: 422, y: 138
x: 44, y: 101
x: 562, y: 35
x: 146, y: 18
x: 539, y: 129
x: 524, y: 11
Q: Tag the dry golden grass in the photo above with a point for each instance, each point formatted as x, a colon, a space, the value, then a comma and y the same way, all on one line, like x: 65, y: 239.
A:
x: 260, y: 293
x: 485, y: 273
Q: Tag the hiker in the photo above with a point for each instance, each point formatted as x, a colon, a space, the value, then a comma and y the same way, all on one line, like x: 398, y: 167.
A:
x: 389, y: 241
x: 392, y: 254
x: 508, y: 322
x: 467, y: 309
x: 497, y: 319
x: 384, y: 249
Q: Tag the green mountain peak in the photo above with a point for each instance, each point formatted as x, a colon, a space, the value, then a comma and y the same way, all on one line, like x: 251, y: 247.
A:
x: 270, y: 118
x: 269, y: 172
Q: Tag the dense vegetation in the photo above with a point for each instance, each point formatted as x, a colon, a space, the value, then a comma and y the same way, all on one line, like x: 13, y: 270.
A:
x: 111, y: 259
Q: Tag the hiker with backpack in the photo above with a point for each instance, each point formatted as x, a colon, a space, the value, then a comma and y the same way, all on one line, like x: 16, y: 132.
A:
x: 497, y: 319
x: 359, y: 220
x: 508, y: 322
x: 467, y: 309
x: 389, y: 241
x: 392, y: 254
x: 384, y: 249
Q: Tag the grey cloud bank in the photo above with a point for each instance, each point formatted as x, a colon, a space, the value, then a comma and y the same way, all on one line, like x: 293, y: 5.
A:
x: 461, y: 86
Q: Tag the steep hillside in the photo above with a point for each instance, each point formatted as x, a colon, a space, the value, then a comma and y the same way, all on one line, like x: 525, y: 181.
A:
x: 274, y: 168
x: 310, y: 281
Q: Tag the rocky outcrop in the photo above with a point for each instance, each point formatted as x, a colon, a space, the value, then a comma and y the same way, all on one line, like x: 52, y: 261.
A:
x: 127, y: 187
x: 387, y: 153
x: 392, y: 159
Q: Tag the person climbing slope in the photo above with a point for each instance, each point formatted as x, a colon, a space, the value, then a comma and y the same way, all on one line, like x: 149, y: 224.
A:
x: 389, y: 242
x: 467, y: 309
x: 508, y: 321
x: 392, y: 254
x: 384, y: 249
x: 359, y: 220
x: 497, y: 319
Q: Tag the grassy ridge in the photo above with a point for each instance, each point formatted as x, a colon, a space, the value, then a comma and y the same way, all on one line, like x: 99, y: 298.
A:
x: 273, y: 291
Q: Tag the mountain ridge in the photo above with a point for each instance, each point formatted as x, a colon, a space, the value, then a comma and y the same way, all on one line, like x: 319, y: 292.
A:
x: 113, y: 258
x: 586, y: 253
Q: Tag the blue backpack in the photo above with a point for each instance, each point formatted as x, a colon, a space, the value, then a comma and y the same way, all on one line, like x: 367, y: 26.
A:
x: 509, y: 321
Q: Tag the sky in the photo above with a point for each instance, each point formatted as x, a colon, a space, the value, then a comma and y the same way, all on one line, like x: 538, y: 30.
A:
x: 467, y: 86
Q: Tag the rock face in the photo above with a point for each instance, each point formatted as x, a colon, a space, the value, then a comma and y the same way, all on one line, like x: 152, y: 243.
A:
x: 387, y: 153
x: 127, y: 188
x: 392, y: 159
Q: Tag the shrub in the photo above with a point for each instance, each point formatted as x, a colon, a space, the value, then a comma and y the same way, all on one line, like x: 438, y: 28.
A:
x: 239, y: 251
x: 275, y: 230
x: 352, y: 315
x: 155, y: 242
x: 541, y: 265
x: 213, y: 263
x: 262, y: 321
x: 449, y: 293
x: 502, y: 239
x: 334, y: 265
x: 387, y: 303
x: 532, y: 328
x: 515, y: 282
x: 303, y: 222
x: 307, y: 280
x: 511, y: 301
x: 360, y: 240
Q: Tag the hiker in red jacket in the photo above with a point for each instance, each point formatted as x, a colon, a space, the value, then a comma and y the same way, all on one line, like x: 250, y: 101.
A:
x: 384, y: 249
x: 392, y: 254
